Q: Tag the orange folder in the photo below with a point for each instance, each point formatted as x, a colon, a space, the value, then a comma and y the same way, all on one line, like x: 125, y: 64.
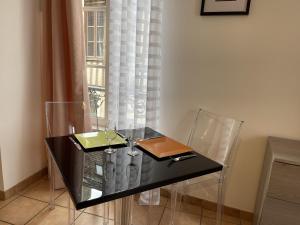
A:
x: 163, y: 147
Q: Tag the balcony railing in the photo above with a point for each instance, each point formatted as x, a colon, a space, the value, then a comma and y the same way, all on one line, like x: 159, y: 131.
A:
x: 96, y: 87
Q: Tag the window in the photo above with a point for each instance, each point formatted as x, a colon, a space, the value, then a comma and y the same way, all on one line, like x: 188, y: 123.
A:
x: 95, y: 45
x: 95, y: 34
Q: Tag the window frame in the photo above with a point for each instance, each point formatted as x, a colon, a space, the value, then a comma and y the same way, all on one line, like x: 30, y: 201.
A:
x: 101, y: 8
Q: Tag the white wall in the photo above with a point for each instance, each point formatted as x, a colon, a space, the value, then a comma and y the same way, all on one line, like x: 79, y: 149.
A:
x: 247, y: 67
x: 20, y: 93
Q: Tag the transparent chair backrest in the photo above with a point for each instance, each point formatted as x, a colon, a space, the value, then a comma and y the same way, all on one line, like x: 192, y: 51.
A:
x: 214, y: 136
x: 64, y: 118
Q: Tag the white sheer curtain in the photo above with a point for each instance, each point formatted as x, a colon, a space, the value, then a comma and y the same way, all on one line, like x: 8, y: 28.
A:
x: 134, y: 62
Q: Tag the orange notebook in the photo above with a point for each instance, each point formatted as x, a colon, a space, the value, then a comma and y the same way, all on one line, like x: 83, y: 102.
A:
x: 163, y: 147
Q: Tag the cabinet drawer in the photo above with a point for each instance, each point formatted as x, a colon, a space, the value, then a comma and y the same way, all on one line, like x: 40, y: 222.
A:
x: 285, y: 182
x: 277, y: 212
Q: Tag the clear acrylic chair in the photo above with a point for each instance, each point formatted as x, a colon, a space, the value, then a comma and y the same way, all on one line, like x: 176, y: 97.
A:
x: 65, y: 118
x: 215, y: 137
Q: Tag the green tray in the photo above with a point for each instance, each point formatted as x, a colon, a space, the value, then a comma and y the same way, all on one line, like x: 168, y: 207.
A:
x: 97, y: 139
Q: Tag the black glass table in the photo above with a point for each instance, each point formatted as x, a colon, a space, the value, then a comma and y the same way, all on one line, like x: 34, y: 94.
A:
x: 96, y: 177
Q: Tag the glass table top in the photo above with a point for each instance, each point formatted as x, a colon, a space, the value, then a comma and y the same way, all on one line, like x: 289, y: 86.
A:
x: 96, y: 177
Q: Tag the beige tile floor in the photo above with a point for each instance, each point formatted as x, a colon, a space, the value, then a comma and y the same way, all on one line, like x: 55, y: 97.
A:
x: 30, y: 207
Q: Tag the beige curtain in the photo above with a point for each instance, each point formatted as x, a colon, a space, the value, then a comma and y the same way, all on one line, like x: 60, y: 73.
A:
x: 63, y: 51
x: 63, y: 60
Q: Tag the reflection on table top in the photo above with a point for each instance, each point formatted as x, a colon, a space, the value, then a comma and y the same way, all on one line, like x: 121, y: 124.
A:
x: 96, y: 177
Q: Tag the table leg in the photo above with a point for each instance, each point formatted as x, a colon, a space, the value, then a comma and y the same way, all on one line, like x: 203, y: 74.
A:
x: 71, y: 212
x: 176, y: 200
x: 117, y: 211
x: 51, y: 181
x: 126, y: 210
x: 149, y: 207
x: 106, y: 213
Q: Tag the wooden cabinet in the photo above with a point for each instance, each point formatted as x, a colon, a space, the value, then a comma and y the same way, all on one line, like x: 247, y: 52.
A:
x: 278, y: 200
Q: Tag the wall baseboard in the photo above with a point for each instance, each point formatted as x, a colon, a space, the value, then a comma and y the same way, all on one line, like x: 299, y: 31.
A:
x: 23, y: 184
x: 244, y: 215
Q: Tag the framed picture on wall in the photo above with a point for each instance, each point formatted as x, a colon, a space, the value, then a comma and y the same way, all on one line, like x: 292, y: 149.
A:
x: 225, y: 7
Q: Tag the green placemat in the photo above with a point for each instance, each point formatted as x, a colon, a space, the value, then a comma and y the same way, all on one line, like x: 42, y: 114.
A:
x: 97, y: 139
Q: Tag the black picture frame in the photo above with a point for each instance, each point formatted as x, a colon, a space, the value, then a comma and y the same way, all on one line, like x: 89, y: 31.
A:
x: 227, y: 13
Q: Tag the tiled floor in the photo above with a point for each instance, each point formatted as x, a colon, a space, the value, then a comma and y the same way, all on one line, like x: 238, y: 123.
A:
x: 30, y: 207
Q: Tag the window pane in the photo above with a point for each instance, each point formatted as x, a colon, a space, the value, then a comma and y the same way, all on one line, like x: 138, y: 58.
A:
x: 90, y: 49
x: 90, y: 18
x: 100, y: 18
x: 90, y: 33
x: 100, y: 34
x: 100, y: 49
x: 95, y: 74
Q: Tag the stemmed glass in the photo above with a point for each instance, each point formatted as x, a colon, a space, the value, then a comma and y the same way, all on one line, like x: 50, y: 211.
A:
x: 132, y: 151
x: 110, y: 135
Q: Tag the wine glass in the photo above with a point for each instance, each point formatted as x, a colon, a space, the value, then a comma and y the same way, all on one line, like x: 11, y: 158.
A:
x: 132, y: 141
x: 110, y: 135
